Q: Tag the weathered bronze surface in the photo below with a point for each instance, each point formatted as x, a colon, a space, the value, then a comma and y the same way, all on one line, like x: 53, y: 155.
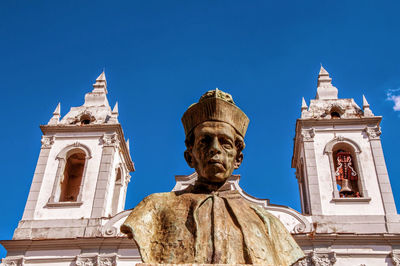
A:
x: 208, y: 223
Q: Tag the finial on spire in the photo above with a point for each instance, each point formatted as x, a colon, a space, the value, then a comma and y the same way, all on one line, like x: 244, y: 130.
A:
x: 304, y: 109
x: 303, y: 104
x: 365, y: 103
x: 323, y: 72
x: 57, y: 110
x: 114, y: 115
x: 366, y: 109
x: 115, y: 109
x: 102, y: 76
x: 325, y: 88
x: 101, y: 84
x: 55, y: 119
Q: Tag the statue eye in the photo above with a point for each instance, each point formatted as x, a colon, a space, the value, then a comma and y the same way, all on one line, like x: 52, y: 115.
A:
x: 204, y: 140
x: 226, y: 143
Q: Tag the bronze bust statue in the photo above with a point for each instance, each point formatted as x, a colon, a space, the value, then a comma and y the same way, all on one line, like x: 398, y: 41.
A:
x: 207, y: 222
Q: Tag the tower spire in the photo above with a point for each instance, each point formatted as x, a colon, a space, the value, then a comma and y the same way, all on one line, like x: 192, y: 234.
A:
x: 98, y: 96
x: 325, y: 88
x: 367, y: 110
x: 304, y: 109
x: 56, y: 116
x: 115, y: 109
x: 101, y: 84
x: 114, y: 114
x: 303, y: 104
x: 365, y: 103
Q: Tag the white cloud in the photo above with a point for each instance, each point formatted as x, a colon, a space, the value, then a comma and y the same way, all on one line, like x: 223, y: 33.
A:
x: 391, y: 96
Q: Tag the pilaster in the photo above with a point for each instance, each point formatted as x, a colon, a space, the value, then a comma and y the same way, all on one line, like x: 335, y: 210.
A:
x: 389, y: 205
x: 307, y: 136
x: 110, y: 144
x: 47, y: 142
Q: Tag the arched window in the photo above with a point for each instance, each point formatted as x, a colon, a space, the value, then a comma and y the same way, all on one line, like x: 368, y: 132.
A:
x: 85, y: 119
x: 72, y: 177
x: 346, y: 170
x: 335, y: 115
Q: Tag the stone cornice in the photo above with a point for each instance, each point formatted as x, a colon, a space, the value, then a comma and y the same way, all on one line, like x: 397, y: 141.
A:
x: 347, y: 239
x: 375, y: 120
x: 309, y: 123
x: 69, y: 243
x: 48, y: 129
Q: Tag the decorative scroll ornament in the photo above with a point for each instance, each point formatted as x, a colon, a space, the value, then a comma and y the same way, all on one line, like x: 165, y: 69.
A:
x: 96, y: 260
x: 304, y: 262
x: 373, y: 132
x: 86, y: 261
x: 107, y: 261
x: 12, y: 262
x: 127, y: 179
x: 47, y: 142
x: 325, y: 259
x: 318, y: 259
x: 308, y: 134
x: 395, y: 258
x: 110, y: 140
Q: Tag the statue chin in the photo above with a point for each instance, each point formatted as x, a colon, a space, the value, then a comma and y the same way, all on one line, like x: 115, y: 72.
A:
x: 214, y: 180
x: 218, y: 178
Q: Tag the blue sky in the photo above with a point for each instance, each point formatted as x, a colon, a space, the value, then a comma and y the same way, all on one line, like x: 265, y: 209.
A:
x: 161, y: 56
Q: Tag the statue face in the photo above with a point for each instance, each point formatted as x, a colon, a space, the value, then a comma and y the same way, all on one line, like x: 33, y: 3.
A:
x: 214, y: 154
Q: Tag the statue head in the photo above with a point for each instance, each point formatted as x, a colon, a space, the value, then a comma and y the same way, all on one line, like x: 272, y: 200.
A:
x: 214, y: 128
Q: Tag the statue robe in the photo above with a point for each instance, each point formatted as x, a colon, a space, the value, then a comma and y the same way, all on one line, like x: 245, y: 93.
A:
x: 210, y: 227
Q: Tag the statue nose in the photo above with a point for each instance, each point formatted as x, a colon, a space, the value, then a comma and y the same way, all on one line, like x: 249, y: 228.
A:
x: 215, y: 148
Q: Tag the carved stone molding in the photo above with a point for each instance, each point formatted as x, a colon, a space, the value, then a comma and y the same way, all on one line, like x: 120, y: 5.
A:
x: 323, y: 259
x: 373, y: 132
x: 127, y: 179
x: 86, y: 261
x: 95, y: 260
x: 318, y: 259
x: 110, y: 140
x: 304, y: 262
x: 107, y: 260
x: 395, y: 258
x: 13, y: 262
x: 47, y: 142
x: 308, y: 134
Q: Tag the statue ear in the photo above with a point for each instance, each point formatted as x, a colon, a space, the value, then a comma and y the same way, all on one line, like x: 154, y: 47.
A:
x: 239, y: 160
x: 189, y: 159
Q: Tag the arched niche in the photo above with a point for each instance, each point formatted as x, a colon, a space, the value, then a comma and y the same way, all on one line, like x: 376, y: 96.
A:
x: 350, y: 146
x: 70, y: 175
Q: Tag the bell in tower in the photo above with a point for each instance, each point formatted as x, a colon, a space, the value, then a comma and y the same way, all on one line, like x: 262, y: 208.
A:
x: 340, y: 165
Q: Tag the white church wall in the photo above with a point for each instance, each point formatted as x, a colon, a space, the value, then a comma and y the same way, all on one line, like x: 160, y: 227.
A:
x: 90, y: 178
x: 374, y: 206
x: 111, y: 184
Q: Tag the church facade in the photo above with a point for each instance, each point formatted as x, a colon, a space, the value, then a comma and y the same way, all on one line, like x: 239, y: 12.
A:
x: 76, y: 201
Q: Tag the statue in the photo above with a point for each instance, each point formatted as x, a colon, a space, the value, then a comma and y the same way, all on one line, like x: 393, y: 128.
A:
x: 207, y: 222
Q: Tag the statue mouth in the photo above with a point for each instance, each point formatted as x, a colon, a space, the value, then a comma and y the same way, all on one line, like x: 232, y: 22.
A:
x: 217, y: 163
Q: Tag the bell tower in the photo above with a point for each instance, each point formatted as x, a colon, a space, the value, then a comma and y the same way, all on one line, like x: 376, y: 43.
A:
x: 340, y: 166
x: 82, y: 172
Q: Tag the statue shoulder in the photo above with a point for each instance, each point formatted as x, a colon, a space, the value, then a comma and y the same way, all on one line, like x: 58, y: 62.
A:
x: 146, y: 213
x: 156, y: 200
x: 158, y: 196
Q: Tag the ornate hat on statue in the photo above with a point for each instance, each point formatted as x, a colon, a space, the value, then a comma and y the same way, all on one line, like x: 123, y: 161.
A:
x: 215, y: 105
